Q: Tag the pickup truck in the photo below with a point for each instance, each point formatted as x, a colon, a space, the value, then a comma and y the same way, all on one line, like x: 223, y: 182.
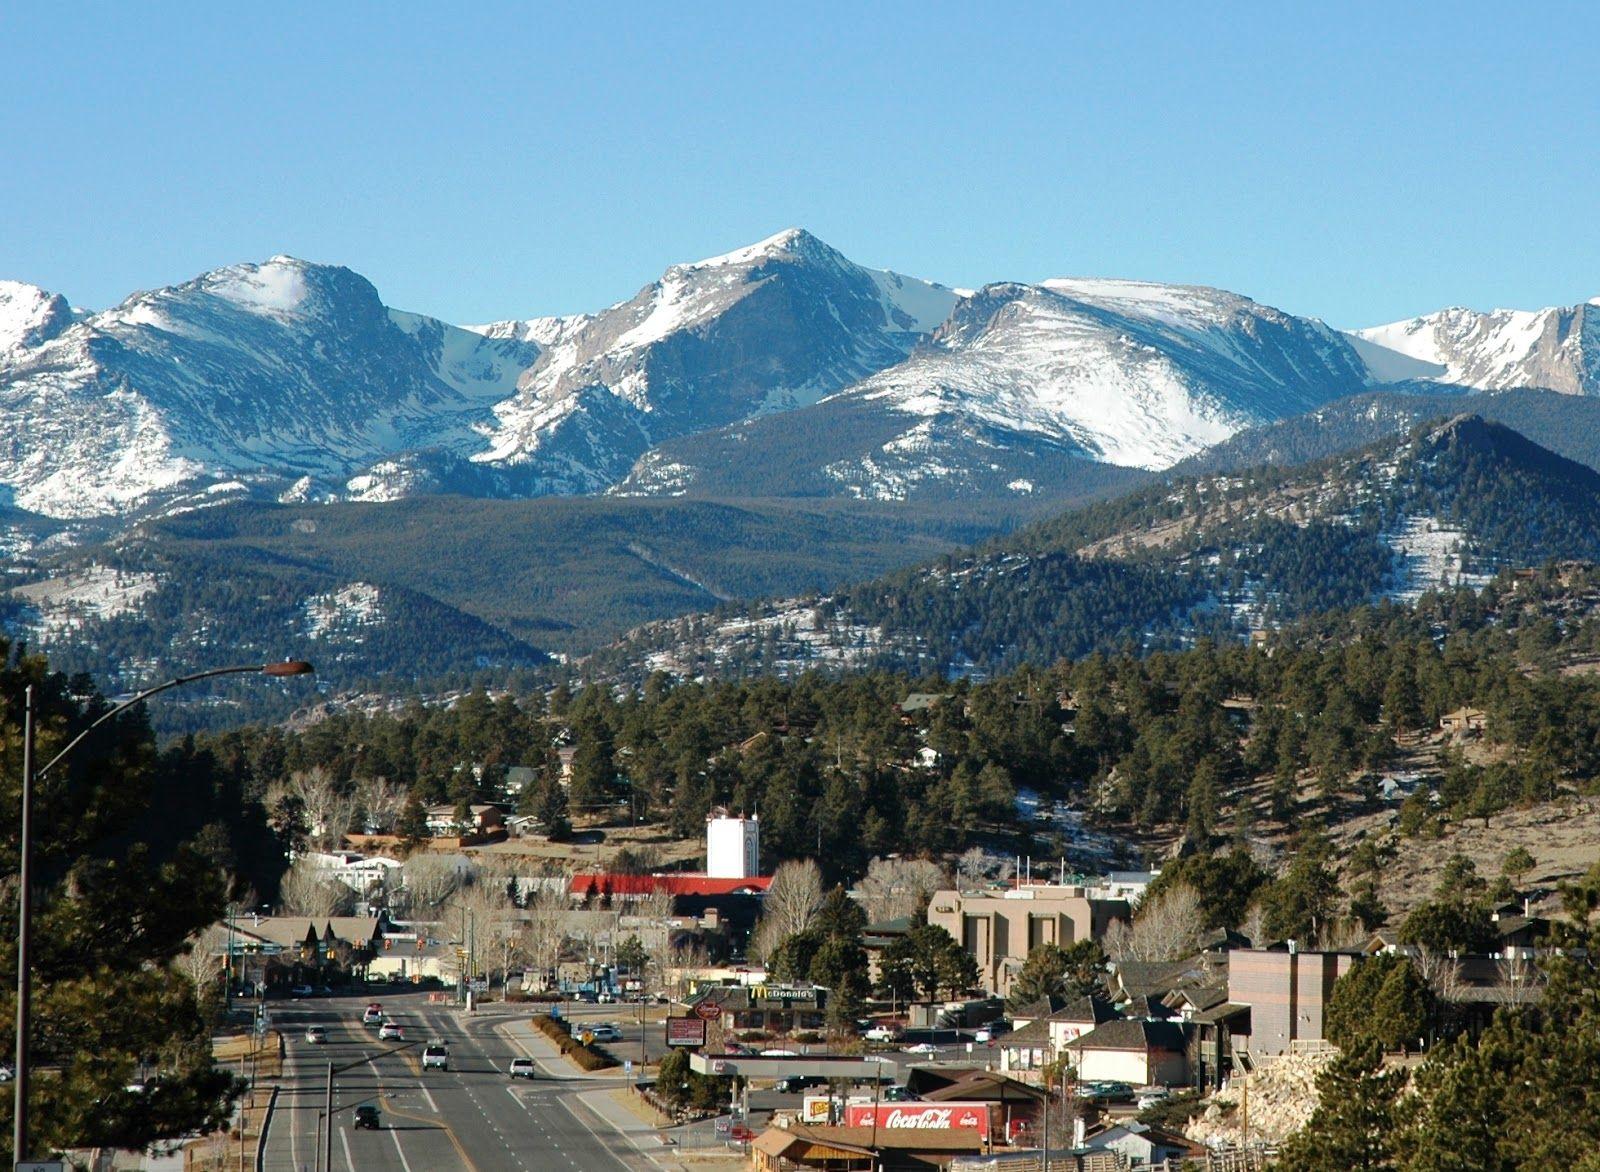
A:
x: 522, y: 1068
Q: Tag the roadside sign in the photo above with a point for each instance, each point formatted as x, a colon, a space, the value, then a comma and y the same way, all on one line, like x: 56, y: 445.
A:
x: 708, y: 1011
x: 686, y: 1031
x: 627, y: 1066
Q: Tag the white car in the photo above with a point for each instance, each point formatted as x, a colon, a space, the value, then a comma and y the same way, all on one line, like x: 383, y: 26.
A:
x: 390, y: 1031
x: 316, y: 1035
x: 606, y: 1033
x: 884, y: 1034
x: 922, y: 1048
x: 435, y: 1056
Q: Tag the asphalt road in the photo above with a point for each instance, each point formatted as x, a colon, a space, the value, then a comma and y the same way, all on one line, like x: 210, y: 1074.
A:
x: 470, y: 1117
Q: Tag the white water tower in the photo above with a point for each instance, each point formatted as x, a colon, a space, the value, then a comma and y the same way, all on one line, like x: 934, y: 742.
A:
x: 733, y: 846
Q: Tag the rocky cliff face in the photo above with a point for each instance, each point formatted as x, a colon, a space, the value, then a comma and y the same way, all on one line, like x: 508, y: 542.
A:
x: 1555, y: 349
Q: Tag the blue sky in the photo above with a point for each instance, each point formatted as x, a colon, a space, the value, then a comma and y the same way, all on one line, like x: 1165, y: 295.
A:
x: 1348, y: 161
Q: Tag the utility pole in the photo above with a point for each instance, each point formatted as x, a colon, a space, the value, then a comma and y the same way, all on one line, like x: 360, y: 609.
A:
x: 1044, y: 1128
x: 19, y: 1122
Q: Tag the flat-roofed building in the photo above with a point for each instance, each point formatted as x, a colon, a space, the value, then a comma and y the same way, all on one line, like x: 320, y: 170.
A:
x: 998, y: 928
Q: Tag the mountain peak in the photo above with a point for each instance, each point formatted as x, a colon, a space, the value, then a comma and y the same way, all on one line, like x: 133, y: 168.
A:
x: 30, y: 315
x: 791, y: 242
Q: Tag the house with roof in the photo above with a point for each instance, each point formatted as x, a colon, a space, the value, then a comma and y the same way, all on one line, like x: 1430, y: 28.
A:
x: 1464, y: 720
x: 1138, y: 1051
x: 1143, y: 1144
x: 862, y: 1149
x: 1036, y: 1043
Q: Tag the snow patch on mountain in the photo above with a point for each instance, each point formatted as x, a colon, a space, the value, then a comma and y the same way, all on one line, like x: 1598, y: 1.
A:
x: 1430, y: 555
x: 59, y: 606
x: 342, y: 614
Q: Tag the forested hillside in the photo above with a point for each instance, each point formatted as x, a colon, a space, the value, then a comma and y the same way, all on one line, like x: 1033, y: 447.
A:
x: 1217, y: 556
x: 1221, y: 743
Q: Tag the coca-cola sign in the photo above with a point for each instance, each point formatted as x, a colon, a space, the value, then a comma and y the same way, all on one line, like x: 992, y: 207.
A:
x: 924, y: 1116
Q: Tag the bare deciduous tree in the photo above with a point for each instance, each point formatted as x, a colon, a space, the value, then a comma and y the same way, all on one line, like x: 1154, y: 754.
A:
x: 202, y: 963
x: 545, y: 916
x: 428, y: 880
x: 1520, y: 979
x: 382, y: 801
x: 792, y: 901
x: 328, y: 809
x: 975, y: 867
x: 897, y: 887
x: 308, y: 890
x: 1165, y: 928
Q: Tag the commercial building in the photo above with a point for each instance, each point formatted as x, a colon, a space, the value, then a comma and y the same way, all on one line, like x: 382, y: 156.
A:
x: 1287, y: 991
x: 998, y: 928
x: 733, y: 845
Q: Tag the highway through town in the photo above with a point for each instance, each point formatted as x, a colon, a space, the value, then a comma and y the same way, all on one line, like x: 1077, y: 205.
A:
x: 471, y: 1117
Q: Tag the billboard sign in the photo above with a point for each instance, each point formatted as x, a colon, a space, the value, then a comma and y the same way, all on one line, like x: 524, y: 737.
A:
x: 920, y: 1116
x: 686, y: 1031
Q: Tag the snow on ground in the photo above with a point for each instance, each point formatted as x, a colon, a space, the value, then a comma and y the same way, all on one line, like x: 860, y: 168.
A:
x: 802, y: 643
x: 61, y: 605
x: 279, y: 286
x: 341, y: 613
x: 1431, y: 554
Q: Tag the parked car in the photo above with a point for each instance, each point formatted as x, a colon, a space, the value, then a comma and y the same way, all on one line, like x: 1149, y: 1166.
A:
x: 606, y: 997
x: 298, y: 991
x: 435, y: 1056
x: 372, y: 1015
x: 606, y: 1032
x: 522, y: 1068
x: 922, y: 1048
x: 795, y: 1083
x: 1107, y: 1092
x: 390, y: 1031
x: 897, y: 1094
x: 316, y: 1035
x: 1152, y: 1097
x: 884, y: 1033
x: 367, y: 1117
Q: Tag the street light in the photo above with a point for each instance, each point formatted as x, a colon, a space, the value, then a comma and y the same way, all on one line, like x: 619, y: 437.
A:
x: 19, y: 1122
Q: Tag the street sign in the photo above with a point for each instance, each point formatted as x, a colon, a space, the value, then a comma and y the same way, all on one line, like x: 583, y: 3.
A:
x: 627, y: 1066
x: 708, y: 1011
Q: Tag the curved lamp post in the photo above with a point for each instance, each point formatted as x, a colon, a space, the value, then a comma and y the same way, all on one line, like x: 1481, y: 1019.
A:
x: 19, y: 1124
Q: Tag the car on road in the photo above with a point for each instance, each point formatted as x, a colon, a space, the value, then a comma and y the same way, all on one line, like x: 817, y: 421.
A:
x: 741, y: 1133
x: 435, y: 1056
x: 298, y: 991
x: 922, y: 1048
x: 316, y: 1034
x: 522, y: 1068
x: 391, y: 1031
x: 372, y: 1015
x: 884, y: 1033
x: 366, y: 1117
x: 1151, y: 1097
x: 606, y: 1032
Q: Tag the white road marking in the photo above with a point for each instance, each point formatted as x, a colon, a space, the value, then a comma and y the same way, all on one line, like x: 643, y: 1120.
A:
x: 344, y: 1138
x: 401, y: 1152
x: 432, y: 1106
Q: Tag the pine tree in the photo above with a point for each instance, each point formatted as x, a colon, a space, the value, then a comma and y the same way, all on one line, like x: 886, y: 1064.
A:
x: 1353, y: 1127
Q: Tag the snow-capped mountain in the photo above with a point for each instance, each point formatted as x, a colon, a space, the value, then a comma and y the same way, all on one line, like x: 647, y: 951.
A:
x: 1020, y: 376
x: 1555, y: 349
x: 29, y: 316
x: 770, y: 327
x: 276, y: 371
